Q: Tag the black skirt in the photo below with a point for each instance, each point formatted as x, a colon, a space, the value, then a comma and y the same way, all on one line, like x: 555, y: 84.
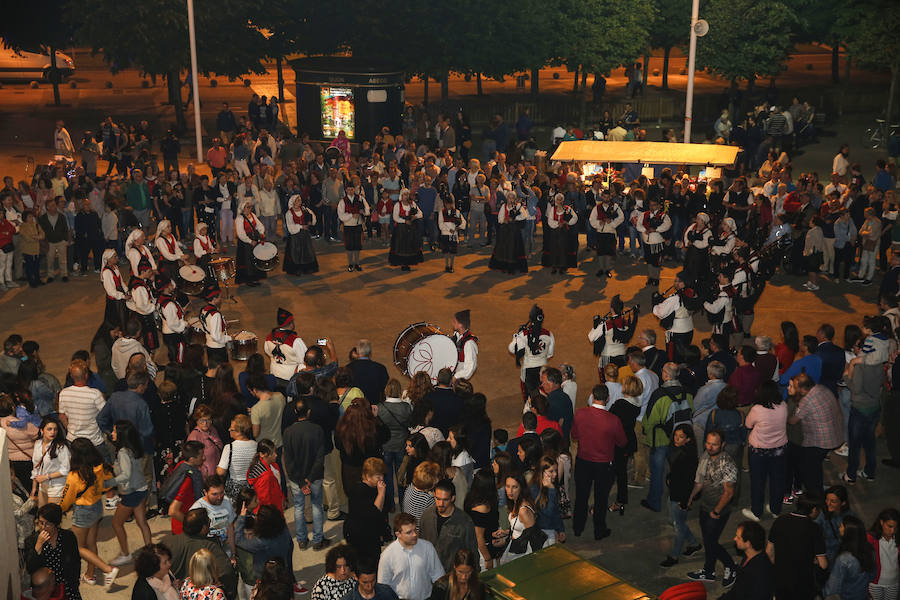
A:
x: 149, y: 331
x: 406, y: 247
x: 353, y: 238
x: 300, y: 256
x: 169, y: 268
x: 509, y: 251
x: 449, y: 244
x: 696, y: 264
x: 116, y: 312
x: 814, y: 261
x: 564, y: 248
x: 246, y: 270
x: 606, y: 244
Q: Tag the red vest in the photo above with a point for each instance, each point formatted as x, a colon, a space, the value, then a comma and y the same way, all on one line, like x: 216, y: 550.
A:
x: 165, y: 300
x: 461, y: 345
x: 116, y: 280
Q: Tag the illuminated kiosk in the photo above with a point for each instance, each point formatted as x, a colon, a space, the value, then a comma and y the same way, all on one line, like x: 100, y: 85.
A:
x: 341, y: 92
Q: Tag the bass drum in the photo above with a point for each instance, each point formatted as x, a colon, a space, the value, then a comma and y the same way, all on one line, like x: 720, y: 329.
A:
x: 192, y: 280
x: 424, y: 347
x: 195, y: 333
x: 265, y: 256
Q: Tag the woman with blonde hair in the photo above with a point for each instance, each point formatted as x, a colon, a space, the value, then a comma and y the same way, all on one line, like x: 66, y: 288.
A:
x: 418, y: 496
x: 627, y: 408
x: 202, y: 580
x: 236, y: 458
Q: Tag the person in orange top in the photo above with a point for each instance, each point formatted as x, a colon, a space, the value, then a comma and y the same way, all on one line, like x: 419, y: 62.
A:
x: 84, y: 489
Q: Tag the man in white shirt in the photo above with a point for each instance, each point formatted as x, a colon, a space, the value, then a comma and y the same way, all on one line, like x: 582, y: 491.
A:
x: 285, y: 349
x: 220, y: 511
x: 409, y: 565
x: 79, y: 406
x: 127, y: 346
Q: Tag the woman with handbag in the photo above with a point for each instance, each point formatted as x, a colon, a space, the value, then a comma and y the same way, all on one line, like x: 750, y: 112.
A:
x: 523, y: 535
x: 236, y: 458
x: 50, y: 462
x: 21, y: 440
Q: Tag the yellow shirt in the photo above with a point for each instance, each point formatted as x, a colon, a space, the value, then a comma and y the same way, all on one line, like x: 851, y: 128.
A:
x: 75, y: 484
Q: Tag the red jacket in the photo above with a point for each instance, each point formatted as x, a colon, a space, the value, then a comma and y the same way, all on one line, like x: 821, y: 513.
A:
x: 266, y: 483
x: 874, y: 543
x: 7, y: 231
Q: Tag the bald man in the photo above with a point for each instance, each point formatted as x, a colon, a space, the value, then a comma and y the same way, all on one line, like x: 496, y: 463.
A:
x: 79, y: 406
x: 44, y: 586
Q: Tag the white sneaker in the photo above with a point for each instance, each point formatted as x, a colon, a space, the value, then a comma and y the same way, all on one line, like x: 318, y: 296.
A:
x: 122, y: 559
x: 812, y: 287
x: 844, y: 450
x: 12, y: 284
x: 110, y: 578
x: 744, y: 511
x: 111, y: 503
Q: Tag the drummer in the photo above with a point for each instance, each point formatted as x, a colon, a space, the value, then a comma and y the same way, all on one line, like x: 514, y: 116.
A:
x: 352, y: 211
x: 285, y: 349
x: 142, y: 304
x: 213, y: 324
x: 204, y: 246
x: 173, y: 324
x: 170, y: 254
x: 466, y: 346
x: 299, y: 256
x: 116, y: 292
x: 250, y: 232
x: 136, y: 251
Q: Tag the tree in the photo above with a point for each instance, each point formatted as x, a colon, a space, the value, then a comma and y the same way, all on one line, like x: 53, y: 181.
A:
x: 22, y: 30
x: 671, y: 28
x: 873, y: 42
x: 746, y: 39
x: 153, y: 37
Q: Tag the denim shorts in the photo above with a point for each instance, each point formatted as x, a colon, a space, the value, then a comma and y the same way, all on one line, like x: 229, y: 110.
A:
x: 133, y: 499
x: 87, y: 516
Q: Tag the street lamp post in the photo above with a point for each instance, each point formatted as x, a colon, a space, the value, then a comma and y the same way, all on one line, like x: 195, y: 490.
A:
x: 692, y: 59
x: 194, y: 83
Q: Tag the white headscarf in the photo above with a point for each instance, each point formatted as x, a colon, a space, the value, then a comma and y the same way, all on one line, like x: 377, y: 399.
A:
x: 242, y: 205
x: 107, y: 254
x: 162, y: 226
x: 129, y: 243
x: 702, y: 216
x: 730, y: 224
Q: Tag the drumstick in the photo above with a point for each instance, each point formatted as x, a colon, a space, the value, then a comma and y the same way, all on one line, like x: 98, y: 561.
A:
x: 230, y: 321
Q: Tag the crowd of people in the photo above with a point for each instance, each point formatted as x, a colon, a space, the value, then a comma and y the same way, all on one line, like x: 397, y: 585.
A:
x: 153, y: 422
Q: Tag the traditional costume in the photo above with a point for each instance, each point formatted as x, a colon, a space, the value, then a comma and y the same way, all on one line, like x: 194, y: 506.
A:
x: 249, y: 231
x: 170, y: 254
x: 173, y: 323
x: 675, y: 316
x: 213, y: 324
x: 533, y: 346
x: 509, y: 251
x: 204, y: 247
x: 136, y: 253
x: 450, y: 222
x: 605, y: 217
x: 611, y: 334
x: 143, y: 306
x: 285, y: 348
x: 352, y: 211
x: 652, y: 224
x: 406, y: 246
x: 116, y: 311
x: 466, y: 347
x: 563, y: 244
x: 721, y: 311
x: 299, y: 256
x: 722, y: 246
x: 697, y: 239
x: 748, y: 288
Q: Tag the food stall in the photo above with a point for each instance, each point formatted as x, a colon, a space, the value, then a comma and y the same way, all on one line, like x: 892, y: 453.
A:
x: 556, y: 573
x: 597, y: 157
x: 341, y: 93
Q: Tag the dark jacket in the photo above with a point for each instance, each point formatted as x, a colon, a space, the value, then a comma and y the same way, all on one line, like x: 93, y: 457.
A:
x: 457, y: 533
x: 560, y: 410
x: 682, y: 469
x: 184, y: 546
x: 324, y: 414
x: 833, y: 359
x: 755, y: 580
x: 280, y: 546
x: 57, y: 233
x: 304, y: 452
x: 142, y: 590
x: 628, y: 414
x: 128, y: 406
x: 447, y: 408
x: 369, y: 376
x: 382, y: 592
x: 655, y: 358
x: 71, y: 567
x: 88, y: 227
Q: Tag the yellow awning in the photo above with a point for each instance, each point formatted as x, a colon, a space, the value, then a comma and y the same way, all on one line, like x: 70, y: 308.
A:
x: 654, y: 153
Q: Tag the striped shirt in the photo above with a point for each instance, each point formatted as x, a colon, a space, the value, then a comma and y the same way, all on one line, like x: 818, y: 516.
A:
x: 415, y: 502
x: 244, y: 451
x: 81, y: 405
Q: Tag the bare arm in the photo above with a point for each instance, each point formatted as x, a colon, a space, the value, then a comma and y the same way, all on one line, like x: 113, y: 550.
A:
x: 175, y: 511
x: 770, y: 551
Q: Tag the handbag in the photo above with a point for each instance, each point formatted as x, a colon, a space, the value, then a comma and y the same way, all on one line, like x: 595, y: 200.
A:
x: 532, y: 536
x: 869, y: 244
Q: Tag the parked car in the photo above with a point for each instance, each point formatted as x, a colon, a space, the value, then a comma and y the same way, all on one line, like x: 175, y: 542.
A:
x: 32, y: 64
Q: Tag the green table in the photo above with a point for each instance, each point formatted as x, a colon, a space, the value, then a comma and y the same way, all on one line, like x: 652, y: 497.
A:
x: 555, y: 573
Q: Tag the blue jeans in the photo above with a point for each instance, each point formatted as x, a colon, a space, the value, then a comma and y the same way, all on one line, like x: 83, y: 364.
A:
x: 528, y: 236
x: 683, y: 533
x: 657, y: 476
x: 767, y: 464
x: 712, y: 531
x: 318, y: 514
x: 844, y: 399
x: 862, y: 435
x: 635, y: 243
x: 392, y: 460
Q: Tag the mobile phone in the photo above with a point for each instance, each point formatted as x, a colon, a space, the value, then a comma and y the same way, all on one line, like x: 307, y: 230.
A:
x: 322, y: 341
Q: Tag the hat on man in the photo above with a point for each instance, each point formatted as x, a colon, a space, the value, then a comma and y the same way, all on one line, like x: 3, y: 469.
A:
x: 285, y: 319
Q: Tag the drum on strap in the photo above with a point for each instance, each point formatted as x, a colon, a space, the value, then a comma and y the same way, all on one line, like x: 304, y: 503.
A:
x: 424, y: 347
x: 265, y: 256
x: 244, y: 345
x: 223, y: 270
x: 192, y: 279
x: 195, y: 332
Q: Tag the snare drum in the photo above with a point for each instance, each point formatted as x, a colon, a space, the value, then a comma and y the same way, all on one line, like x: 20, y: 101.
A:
x: 192, y: 279
x: 424, y: 347
x: 195, y: 332
x: 244, y: 345
x: 265, y: 256
x: 223, y: 269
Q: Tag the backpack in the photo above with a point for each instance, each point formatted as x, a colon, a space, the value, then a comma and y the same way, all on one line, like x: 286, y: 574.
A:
x: 679, y: 412
x: 169, y: 488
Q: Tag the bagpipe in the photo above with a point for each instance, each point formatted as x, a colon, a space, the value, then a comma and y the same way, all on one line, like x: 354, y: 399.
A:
x: 623, y: 326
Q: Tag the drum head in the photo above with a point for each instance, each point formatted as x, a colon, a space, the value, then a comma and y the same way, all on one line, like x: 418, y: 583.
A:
x: 194, y: 323
x: 192, y: 273
x: 265, y: 251
x: 431, y: 354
